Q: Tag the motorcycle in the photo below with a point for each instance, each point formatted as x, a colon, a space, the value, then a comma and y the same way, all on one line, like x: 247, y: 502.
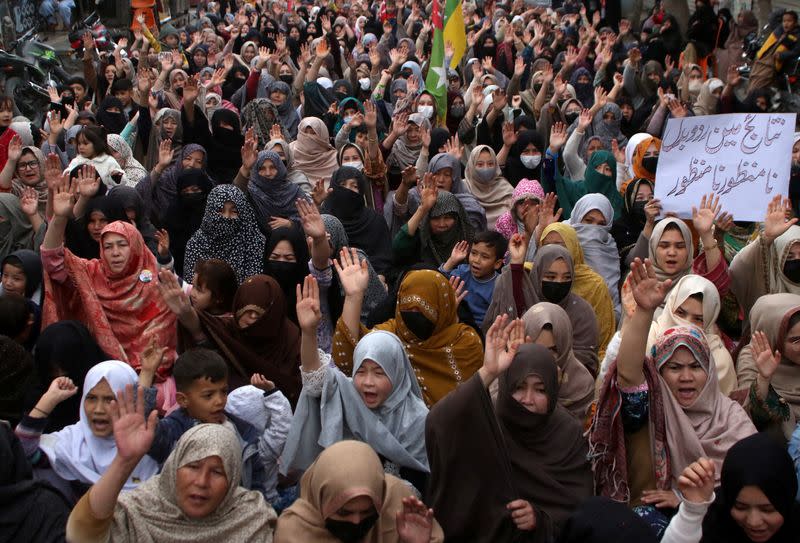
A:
x: 786, y: 90
x: 102, y: 37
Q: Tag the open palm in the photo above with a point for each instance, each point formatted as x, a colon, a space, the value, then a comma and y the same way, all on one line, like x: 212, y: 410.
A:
x: 648, y: 291
x: 132, y: 431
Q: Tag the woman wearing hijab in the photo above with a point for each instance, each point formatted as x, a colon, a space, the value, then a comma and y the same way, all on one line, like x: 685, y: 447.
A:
x: 443, y: 351
x: 24, y: 168
x: 79, y: 454
x: 656, y: 414
x: 225, y: 145
x: 485, y: 181
x: 694, y: 301
x: 403, y: 149
x: 632, y: 220
x: 122, y: 153
x: 21, y: 273
x: 527, y: 194
x: 286, y: 260
x: 592, y: 219
x: 206, y: 461
x: 313, y: 153
x: 381, y: 404
x: 346, y: 496
x: 599, y: 178
x: 260, y: 115
x: 16, y: 231
x: 294, y: 175
x: 228, y: 232
x: 272, y: 194
x: 754, y: 502
x: 768, y: 369
x: 280, y: 94
x: 167, y: 125
x: 524, y: 158
x: 600, y: 520
x: 731, y: 53
x: 31, y: 510
x: 534, y: 447
x: 111, y: 115
x: 131, y: 202
x: 185, y: 215
x: 365, y: 228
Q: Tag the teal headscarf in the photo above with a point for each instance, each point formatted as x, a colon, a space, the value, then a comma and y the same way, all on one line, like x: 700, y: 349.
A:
x: 569, y: 191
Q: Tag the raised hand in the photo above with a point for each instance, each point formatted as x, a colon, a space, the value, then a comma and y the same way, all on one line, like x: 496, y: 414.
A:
x: 733, y: 76
x: 60, y: 389
x: 459, y: 252
x: 55, y: 122
x: 652, y: 210
x: 353, y: 273
x: 275, y: 132
x: 677, y: 109
x: 15, y: 148
x: 502, y: 341
x: 703, y: 218
x: 259, y: 381
x: 517, y: 247
x: 666, y: 499
x: 165, y: 154
x: 519, y: 66
x: 767, y: 361
x: 319, y: 193
x: 558, y: 136
x: 152, y: 357
x: 584, y: 120
x: 509, y: 134
x: 414, y: 522
x: 696, y: 483
x: 88, y: 40
x: 428, y: 192
x: 249, y: 149
x: 63, y: 197
x: 400, y: 124
x: 458, y: 285
x: 600, y: 96
x: 370, y: 115
x: 454, y: 148
x: 133, y: 433
x: 619, y: 154
x: 409, y: 174
x: 309, y: 314
x: 29, y: 201
x: 162, y: 237
x: 499, y: 100
x: 310, y: 218
x: 547, y: 211
x: 648, y: 291
x: 775, y: 222
x: 172, y: 293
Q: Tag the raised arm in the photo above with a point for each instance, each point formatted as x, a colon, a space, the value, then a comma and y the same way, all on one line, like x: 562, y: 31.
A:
x: 703, y: 220
x: 308, y: 317
x: 178, y: 302
x: 354, y: 278
x: 315, y: 229
x: 427, y: 199
x: 7, y: 173
x: 502, y: 341
x: 62, y: 210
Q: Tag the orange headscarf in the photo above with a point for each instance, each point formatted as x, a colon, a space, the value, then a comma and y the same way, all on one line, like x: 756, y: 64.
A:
x: 636, y: 162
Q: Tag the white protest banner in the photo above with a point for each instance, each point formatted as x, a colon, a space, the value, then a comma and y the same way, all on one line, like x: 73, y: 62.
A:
x: 745, y: 158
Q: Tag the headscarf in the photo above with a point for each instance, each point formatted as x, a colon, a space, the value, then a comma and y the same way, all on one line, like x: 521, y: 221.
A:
x: 762, y: 462
x: 776, y: 255
x: 157, y: 135
x: 31, y: 264
x: 76, y: 454
x: 599, y: 247
x: 366, y: 229
x: 225, y: 145
x: 123, y: 310
x: 606, y: 130
x: 634, y: 154
x: 78, y: 240
x: 343, y: 471
x: 185, y: 215
x: 569, y: 192
x: 495, y: 194
x: 273, y: 197
x: 538, y: 457
x: 18, y: 185
x: 395, y: 429
x: 313, y: 153
x: 706, y: 103
x: 403, y: 153
x: 288, y: 274
x: 286, y: 112
x: 152, y: 513
x: 270, y: 346
x: 16, y: 231
x: 295, y: 176
x: 508, y: 223
x: 575, y: 382
x: 134, y: 170
x: 713, y: 423
x: 587, y: 283
x: 515, y: 169
x: 600, y: 520
x: 437, y: 247
x: 260, y: 114
x: 629, y: 226
x: 628, y: 303
x: 683, y: 289
x: 237, y: 241
x: 114, y: 123
x: 584, y: 92
x: 16, y: 378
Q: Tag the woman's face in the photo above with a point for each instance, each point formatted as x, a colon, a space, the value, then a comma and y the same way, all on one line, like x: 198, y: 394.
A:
x: 442, y: 223
x: 294, y: 33
x: 97, y: 221
x: 695, y: 75
x: 200, y: 487
x: 594, y: 145
x: 372, y: 384
x: 627, y: 111
x: 199, y: 58
x: 277, y: 98
x: 547, y: 340
x: 96, y: 406
x: 248, y: 53
x: 211, y: 103
x: 278, y: 150
x: 651, y: 151
x: 684, y: 376
x: 229, y: 211
x: 350, y: 184
x: 604, y: 169
x: 531, y: 394
x: 594, y: 217
x: 355, y: 510
x: 200, y: 296
x: 283, y: 252
x: 14, y: 280
x: 110, y: 72
x: 350, y: 155
x: 412, y: 134
x: 791, y: 344
x: 28, y: 169
x: 85, y: 147
x: 425, y: 100
x: 485, y: 160
x: 443, y: 179
x: 285, y: 69
x: 558, y: 272
x: 691, y: 310
x: 522, y: 206
x: 553, y: 238
x: 672, y: 252
x: 756, y: 515
x: 178, y: 81
x: 644, y: 193
x: 268, y: 169
x: 193, y: 160
x: 116, y: 251
x: 170, y: 126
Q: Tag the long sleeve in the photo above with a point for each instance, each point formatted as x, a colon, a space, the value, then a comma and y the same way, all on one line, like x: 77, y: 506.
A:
x: 687, y: 525
x: 405, y: 245
x: 572, y: 160
x: 29, y: 432
x: 84, y: 526
x: 517, y: 271
x: 53, y: 262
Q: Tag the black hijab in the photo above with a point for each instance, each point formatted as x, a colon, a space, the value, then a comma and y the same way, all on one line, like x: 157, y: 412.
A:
x: 129, y: 199
x: 627, y: 228
x: 225, y: 146
x: 78, y: 239
x: 288, y: 274
x: 515, y: 169
x: 114, y: 122
x: 757, y: 460
x: 185, y: 214
x: 439, y: 137
x: 365, y: 228
x: 16, y: 377
x: 31, y: 264
x: 234, y: 80
x: 601, y: 520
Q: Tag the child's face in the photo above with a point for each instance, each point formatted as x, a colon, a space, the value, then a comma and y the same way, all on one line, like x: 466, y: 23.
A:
x: 6, y: 116
x: 14, y: 280
x: 200, y: 296
x: 205, y: 400
x: 483, y: 262
x: 96, y: 404
x: 85, y: 147
x: 372, y: 384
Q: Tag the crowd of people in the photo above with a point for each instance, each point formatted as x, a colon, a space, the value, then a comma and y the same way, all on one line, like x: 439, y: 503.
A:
x: 264, y: 279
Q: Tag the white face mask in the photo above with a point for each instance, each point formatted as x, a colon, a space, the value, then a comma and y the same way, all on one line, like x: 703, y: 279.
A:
x: 426, y: 111
x: 358, y: 165
x: 531, y: 161
x: 695, y: 86
x: 347, y: 119
x: 364, y: 83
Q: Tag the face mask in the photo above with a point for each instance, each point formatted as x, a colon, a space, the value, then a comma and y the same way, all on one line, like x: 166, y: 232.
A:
x: 570, y: 117
x: 285, y: 273
x: 695, y: 86
x: 457, y: 112
x: 537, y: 87
x: 358, y: 165
x: 426, y: 111
x: 340, y: 95
x: 555, y: 292
x: 347, y: 119
x: 418, y: 324
x: 791, y: 269
x: 349, y: 532
x: 531, y: 161
x: 193, y: 198
x: 288, y: 79
x: 638, y: 210
x: 485, y: 175
x: 364, y: 83
x: 650, y: 163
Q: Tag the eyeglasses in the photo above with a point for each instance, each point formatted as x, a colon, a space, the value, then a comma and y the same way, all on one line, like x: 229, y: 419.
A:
x: 32, y: 164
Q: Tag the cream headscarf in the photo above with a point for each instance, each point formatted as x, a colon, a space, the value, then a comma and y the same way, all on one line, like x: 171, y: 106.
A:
x: 683, y: 289
x: 313, y: 153
x: 494, y: 195
x: 776, y: 258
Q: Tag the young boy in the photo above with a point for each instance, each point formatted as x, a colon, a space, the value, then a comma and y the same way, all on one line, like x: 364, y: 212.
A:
x: 485, y: 259
x: 201, y: 379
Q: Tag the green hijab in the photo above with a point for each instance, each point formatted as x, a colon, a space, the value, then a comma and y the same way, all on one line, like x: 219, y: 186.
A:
x: 569, y: 191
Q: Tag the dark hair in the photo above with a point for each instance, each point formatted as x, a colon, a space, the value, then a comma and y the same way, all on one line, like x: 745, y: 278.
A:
x: 77, y: 80
x: 791, y: 13
x: 495, y: 240
x: 121, y: 85
x: 197, y: 364
x: 14, y: 314
x: 672, y: 226
x: 218, y: 277
x: 794, y: 319
x: 6, y: 103
x: 697, y: 296
x: 96, y: 136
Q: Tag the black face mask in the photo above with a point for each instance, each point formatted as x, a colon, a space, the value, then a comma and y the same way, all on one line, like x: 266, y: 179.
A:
x: 288, y: 79
x: 638, y: 210
x: 570, y: 117
x: 349, y: 532
x: 418, y: 324
x: 285, y: 273
x: 340, y: 95
x: 791, y: 269
x: 554, y: 291
x: 650, y: 163
x: 193, y: 198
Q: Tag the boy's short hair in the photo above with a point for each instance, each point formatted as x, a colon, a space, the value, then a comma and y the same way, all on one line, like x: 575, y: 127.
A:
x: 123, y: 84
x: 197, y: 364
x: 495, y: 240
x: 15, y: 312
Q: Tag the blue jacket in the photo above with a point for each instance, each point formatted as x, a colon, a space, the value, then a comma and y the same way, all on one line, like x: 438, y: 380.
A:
x: 172, y: 427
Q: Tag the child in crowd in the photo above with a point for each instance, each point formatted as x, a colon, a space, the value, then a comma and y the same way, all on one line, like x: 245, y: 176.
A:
x: 485, y: 258
x: 22, y: 274
x: 201, y: 379
x: 92, y: 147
